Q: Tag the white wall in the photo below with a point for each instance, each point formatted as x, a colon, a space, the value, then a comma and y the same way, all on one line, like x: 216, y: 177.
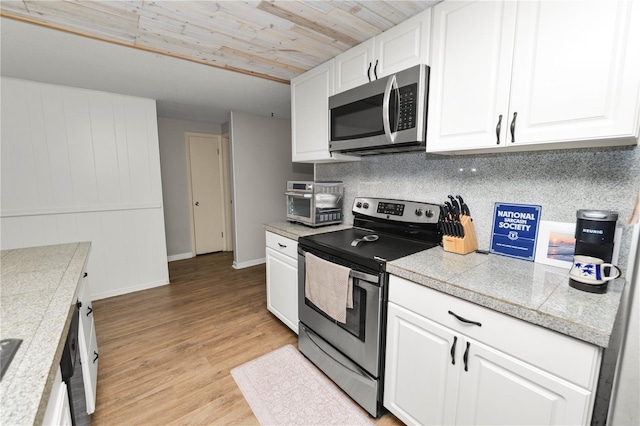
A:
x: 175, y: 187
x: 81, y: 165
x: 261, y: 166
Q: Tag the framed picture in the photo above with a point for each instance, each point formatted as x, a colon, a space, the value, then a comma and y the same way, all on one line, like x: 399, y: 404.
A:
x: 556, y: 244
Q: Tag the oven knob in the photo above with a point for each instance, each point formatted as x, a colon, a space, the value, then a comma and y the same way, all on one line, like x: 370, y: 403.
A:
x: 358, y: 204
x: 418, y: 212
x: 429, y: 213
x: 365, y: 205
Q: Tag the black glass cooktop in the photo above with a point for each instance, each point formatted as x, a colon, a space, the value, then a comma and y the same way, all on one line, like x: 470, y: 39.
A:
x: 370, y: 254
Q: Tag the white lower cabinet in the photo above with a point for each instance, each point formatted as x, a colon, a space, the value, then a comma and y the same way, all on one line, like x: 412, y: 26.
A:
x: 441, y: 370
x: 58, y: 411
x: 282, y: 279
x: 88, y: 345
x: 500, y: 389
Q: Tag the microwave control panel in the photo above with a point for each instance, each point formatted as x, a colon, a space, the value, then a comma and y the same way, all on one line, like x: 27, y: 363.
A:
x: 407, y: 107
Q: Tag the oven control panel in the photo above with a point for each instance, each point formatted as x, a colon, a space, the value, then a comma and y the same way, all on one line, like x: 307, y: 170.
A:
x: 397, y: 210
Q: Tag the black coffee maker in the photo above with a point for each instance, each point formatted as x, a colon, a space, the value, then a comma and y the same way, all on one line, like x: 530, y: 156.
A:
x: 595, y: 232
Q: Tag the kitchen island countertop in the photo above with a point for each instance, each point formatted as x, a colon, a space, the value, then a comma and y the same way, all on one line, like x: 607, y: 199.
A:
x: 533, y: 292
x: 39, y: 290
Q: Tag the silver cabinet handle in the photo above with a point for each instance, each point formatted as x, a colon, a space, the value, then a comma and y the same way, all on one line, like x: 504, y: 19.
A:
x: 282, y: 245
x: 498, y: 128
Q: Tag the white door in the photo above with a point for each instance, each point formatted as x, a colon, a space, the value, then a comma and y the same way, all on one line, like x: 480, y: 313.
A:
x: 471, y: 53
x: 498, y: 389
x: 575, y: 79
x: 206, y: 192
x: 422, y: 367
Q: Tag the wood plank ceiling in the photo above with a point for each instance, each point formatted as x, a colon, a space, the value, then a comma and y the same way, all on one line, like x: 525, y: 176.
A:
x: 277, y: 39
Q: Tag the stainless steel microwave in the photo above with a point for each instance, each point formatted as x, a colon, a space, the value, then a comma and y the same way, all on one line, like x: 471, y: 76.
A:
x: 314, y: 203
x: 385, y: 115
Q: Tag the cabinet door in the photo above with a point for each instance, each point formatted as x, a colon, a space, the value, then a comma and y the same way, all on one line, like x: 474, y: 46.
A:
x: 355, y: 66
x: 58, y: 412
x: 471, y: 53
x: 403, y: 46
x: 282, y: 287
x: 89, y: 361
x: 498, y: 389
x: 575, y: 79
x: 421, y: 370
x: 85, y: 311
x: 310, y: 113
x: 310, y: 116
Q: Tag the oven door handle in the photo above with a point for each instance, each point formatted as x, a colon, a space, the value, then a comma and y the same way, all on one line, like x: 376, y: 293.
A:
x: 362, y: 276
x: 352, y: 273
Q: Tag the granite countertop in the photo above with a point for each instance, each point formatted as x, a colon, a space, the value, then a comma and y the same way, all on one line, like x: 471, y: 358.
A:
x: 39, y: 290
x: 294, y: 230
x: 536, y: 293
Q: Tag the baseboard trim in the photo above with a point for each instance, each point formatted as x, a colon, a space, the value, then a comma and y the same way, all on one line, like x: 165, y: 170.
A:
x: 248, y: 263
x: 127, y: 290
x: 181, y: 256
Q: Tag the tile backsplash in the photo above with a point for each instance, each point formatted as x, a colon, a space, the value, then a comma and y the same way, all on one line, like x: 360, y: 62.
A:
x: 561, y: 181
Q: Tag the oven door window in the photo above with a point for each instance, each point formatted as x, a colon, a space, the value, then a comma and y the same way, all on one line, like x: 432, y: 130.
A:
x: 356, y: 317
x: 299, y: 206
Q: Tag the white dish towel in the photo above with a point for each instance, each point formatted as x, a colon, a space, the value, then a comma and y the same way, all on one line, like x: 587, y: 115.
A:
x: 328, y: 286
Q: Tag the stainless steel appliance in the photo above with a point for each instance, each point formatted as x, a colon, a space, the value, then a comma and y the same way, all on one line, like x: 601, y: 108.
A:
x: 385, y: 115
x: 595, y: 233
x: 352, y: 353
x: 314, y: 203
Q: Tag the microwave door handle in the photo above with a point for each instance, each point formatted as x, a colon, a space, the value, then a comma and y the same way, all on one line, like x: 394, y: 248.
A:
x: 391, y: 83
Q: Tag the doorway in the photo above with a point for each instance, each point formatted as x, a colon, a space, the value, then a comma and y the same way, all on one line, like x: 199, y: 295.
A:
x: 207, y: 192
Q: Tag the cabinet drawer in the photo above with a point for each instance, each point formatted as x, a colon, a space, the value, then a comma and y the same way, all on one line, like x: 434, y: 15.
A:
x: 282, y: 244
x: 561, y: 355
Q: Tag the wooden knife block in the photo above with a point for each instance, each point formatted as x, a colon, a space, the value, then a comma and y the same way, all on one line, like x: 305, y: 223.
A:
x: 464, y: 245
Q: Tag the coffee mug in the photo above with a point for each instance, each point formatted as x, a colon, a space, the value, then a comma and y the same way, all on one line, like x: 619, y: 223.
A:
x: 591, y: 270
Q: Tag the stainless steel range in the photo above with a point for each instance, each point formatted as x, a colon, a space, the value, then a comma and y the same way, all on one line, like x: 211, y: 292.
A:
x: 351, y: 352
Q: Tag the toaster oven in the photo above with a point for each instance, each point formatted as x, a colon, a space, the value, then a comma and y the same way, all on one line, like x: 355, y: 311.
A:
x: 314, y: 203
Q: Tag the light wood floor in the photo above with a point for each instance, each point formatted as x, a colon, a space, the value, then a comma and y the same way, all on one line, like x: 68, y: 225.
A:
x: 166, y: 353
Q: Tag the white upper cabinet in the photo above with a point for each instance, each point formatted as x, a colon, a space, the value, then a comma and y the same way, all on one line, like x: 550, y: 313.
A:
x: 356, y: 66
x: 471, y: 50
x: 398, y: 48
x: 310, y: 113
x: 310, y: 116
x: 551, y: 82
x: 404, y: 45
